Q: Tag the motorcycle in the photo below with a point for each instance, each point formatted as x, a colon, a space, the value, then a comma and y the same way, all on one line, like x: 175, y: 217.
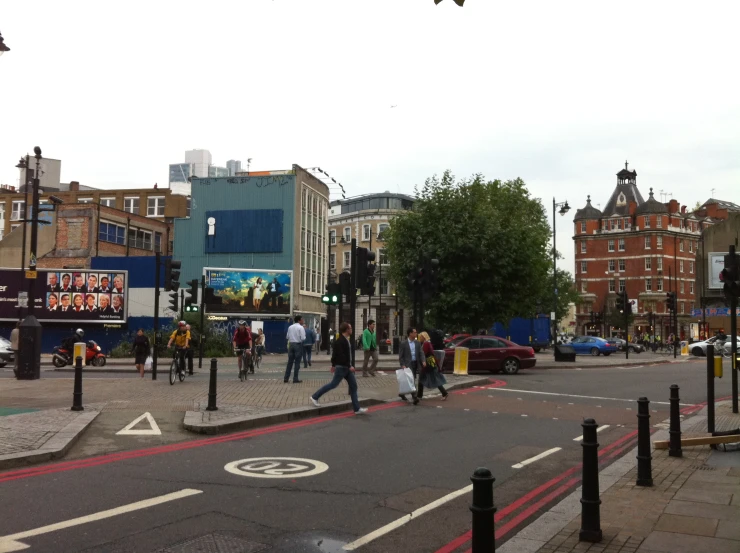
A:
x: 94, y: 356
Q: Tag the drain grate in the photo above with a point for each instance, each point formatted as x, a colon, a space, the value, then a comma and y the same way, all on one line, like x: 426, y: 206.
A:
x: 215, y: 543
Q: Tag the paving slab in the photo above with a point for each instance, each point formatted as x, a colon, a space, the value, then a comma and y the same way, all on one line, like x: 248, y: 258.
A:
x: 670, y: 542
x: 681, y: 524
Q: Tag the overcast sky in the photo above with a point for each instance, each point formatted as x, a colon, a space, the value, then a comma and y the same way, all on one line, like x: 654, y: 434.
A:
x: 557, y: 93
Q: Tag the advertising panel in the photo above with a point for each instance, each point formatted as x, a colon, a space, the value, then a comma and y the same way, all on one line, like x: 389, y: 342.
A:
x: 716, y: 264
x: 67, y: 295
x: 250, y: 291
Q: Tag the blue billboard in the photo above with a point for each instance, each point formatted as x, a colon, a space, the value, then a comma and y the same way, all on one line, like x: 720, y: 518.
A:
x: 249, y: 291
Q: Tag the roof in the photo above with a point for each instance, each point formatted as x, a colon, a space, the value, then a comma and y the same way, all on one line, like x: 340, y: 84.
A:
x: 588, y: 212
x: 625, y: 193
x: 651, y: 206
x: 729, y: 206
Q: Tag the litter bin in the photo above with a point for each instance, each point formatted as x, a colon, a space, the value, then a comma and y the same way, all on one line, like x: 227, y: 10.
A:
x: 564, y: 352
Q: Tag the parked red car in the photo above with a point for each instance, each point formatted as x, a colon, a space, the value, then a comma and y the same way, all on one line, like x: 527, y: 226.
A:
x: 455, y: 339
x: 492, y: 354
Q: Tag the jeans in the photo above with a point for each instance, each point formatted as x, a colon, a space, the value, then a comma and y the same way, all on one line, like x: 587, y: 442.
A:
x: 307, y: 352
x: 341, y: 373
x: 294, y: 360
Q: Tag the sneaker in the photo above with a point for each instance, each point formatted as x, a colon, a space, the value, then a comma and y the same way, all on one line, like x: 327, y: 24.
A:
x: 297, y: 381
x: 361, y: 411
x: 315, y: 402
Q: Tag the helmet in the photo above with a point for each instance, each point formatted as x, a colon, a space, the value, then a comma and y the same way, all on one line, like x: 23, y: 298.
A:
x: 181, y: 323
x: 79, y: 333
x: 242, y: 322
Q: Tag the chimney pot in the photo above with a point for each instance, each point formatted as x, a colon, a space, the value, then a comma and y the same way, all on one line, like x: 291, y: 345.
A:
x: 74, y: 186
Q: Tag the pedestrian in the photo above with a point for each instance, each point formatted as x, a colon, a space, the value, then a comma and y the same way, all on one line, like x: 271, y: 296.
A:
x: 410, y: 356
x: 308, y: 345
x: 296, y: 336
x: 341, y: 367
x: 370, y: 348
x: 431, y: 376
x: 190, y: 354
x: 14, y: 342
x: 140, y: 348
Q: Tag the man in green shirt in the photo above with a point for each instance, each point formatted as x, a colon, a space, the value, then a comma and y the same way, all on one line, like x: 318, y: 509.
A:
x: 370, y: 347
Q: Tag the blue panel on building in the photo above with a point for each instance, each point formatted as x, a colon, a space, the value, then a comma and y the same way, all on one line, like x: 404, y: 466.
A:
x: 140, y: 269
x: 245, y: 231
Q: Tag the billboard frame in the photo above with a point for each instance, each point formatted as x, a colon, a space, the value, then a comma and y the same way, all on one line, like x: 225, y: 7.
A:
x: 714, y: 282
x: 249, y: 314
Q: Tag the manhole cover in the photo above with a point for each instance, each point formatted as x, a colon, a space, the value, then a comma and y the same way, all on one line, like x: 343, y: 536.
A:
x: 215, y: 543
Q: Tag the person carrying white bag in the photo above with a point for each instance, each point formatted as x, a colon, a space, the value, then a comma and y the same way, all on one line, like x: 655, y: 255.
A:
x: 411, y: 359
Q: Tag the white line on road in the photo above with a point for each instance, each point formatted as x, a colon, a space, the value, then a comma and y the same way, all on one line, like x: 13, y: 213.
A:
x: 599, y: 429
x: 583, y: 397
x: 536, y: 458
x: 11, y: 543
x: 153, y: 429
x: 404, y: 519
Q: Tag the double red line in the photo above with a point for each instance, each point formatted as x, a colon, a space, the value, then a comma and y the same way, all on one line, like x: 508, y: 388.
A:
x: 691, y: 409
x: 566, y: 483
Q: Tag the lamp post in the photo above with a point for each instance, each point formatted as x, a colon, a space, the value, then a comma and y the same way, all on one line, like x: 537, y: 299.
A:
x: 564, y: 208
x: 3, y: 47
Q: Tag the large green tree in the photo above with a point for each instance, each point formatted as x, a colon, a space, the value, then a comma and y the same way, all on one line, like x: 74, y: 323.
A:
x: 491, y: 239
x: 567, y: 293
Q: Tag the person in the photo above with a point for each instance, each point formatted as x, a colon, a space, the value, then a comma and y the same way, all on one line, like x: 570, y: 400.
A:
x: 431, y: 376
x: 259, y: 342
x: 69, y: 342
x: 53, y: 283
x: 242, y: 340
x: 140, y: 348
x: 78, y: 307
x: 52, y: 302
x: 92, y: 283
x: 65, y: 302
x: 410, y: 356
x: 117, y: 303
x: 341, y: 367
x: 104, y: 285
x: 308, y: 345
x: 90, y: 301
x: 273, y: 292
x: 296, y: 336
x: 65, y: 283
x: 370, y: 348
x: 105, y: 308
x: 181, y: 337
x: 118, y: 284
x: 191, y: 348
x: 14, y: 343
x: 257, y: 293
x: 79, y: 283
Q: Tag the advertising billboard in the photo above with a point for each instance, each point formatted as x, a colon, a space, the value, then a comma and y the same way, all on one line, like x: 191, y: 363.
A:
x: 716, y: 264
x: 250, y: 291
x: 67, y: 295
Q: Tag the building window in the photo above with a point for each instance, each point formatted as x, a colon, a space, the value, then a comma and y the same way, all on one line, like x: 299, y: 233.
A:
x: 612, y: 224
x: 621, y: 244
x: 622, y: 284
x: 691, y: 287
x: 691, y: 267
x: 108, y: 202
x: 382, y: 227
x: 584, y: 286
x: 333, y: 237
x: 646, y: 220
x: 611, y: 265
x: 584, y: 267
x: 680, y: 266
x: 660, y: 263
x: 141, y: 239
x: 332, y: 261
x: 188, y: 206
x: 611, y: 245
x: 622, y: 265
x: 660, y: 242
x: 347, y: 234
x: 680, y: 246
x: 155, y: 207
x: 346, y: 259
x: 648, y: 264
x: 647, y: 242
x: 109, y: 232
x: 681, y: 307
x: 659, y: 282
x: 158, y: 242
x: 385, y: 286
x: 648, y: 284
x: 681, y: 286
x: 612, y: 286
x: 17, y: 211
x: 619, y: 224
x: 659, y: 221
x: 366, y: 232
x: 131, y: 205
x: 382, y: 256
x: 583, y: 227
x: 84, y: 200
x: 691, y: 246
x: 627, y: 224
x: 583, y: 246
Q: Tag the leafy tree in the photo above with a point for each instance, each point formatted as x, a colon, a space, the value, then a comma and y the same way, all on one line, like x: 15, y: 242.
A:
x: 491, y: 239
x: 567, y: 293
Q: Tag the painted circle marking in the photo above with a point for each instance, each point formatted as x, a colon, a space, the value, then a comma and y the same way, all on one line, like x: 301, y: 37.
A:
x: 276, y: 467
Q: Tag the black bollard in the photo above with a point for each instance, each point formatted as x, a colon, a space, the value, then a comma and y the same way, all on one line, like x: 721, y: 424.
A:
x: 212, y: 387
x: 483, y: 539
x: 674, y: 449
x: 590, y: 502
x: 77, y: 394
x: 710, y: 388
x: 644, y: 457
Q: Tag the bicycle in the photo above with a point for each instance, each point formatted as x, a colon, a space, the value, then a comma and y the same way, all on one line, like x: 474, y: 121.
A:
x: 259, y: 351
x: 246, y: 363
x: 175, y: 370
x: 725, y: 348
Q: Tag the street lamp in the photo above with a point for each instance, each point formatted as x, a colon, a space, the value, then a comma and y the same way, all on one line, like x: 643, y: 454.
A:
x: 564, y: 208
x: 3, y: 47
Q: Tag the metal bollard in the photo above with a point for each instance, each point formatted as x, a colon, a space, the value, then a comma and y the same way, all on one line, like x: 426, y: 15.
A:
x: 710, y: 388
x: 674, y: 449
x: 77, y: 394
x: 644, y: 457
x: 212, y: 387
x: 590, y: 501
x: 483, y: 539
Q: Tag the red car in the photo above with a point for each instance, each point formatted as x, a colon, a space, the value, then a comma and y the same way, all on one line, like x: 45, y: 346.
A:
x: 455, y: 339
x: 492, y: 354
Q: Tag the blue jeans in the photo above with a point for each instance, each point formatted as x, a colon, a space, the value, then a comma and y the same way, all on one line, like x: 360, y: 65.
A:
x: 294, y: 360
x: 341, y: 373
x: 307, y: 352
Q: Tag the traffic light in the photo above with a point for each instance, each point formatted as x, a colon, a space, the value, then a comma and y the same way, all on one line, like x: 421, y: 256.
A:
x: 670, y: 302
x: 620, y: 302
x: 458, y: 2
x: 369, y: 289
x: 593, y: 317
x: 345, y: 283
x: 191, y: 303
x: 730, y: 276
x: 171, y: 275
x: 174, y: 303
x: 333, y: 293
x: 365, y: 271
x: 627, y: 304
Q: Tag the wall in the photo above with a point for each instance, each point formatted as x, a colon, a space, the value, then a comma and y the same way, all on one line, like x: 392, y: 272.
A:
x: 11, y: 245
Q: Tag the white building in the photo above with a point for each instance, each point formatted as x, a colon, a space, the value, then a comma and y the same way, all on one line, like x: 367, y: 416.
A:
x: 197, y: 164
x: 234, y: 166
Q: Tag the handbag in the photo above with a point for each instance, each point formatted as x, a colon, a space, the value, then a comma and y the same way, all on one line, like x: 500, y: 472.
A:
x: 405, y: 381
x: 148, y: 363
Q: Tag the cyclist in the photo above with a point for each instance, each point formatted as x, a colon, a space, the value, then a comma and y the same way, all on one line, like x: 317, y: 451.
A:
x: 181, y: 337
x: 242, y: 341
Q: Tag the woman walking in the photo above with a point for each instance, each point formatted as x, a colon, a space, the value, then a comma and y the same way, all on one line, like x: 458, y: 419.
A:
x: 431, y: 376
x: 140, y: 349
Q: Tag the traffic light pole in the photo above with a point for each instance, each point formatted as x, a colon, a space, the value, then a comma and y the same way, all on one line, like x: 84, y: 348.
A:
x: 202, y: 320
x: 182, y: 304
x: 353, y: 294
x: 158, y: 270
x: 676, y: 336
x: 733, y: 338
x: 626, y: 327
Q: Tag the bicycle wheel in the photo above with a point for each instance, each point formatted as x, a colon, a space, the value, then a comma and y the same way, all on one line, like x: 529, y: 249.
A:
x: 181, y: 375
x: 173, y: 369
x: 258, y: 362
x: 726, y: 352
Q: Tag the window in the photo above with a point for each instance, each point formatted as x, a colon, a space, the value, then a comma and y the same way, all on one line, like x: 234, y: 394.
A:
x: 382, y: 256
x: 627, y: 224
x: 382, y: 227
x: 648, y: 264
x: 648, y: 284
x: 108, y: 202
x: 622, y: 265
x: 583, y: 226
x: 660, y: 285
x: 141, y: 239
x: 612, y: 224
x: 583, y: 246
x: 333, y: 237
x: 346, y: 259
x: 680, y: 266
x: 584, y: 286
x: 84, y: 200
x: 681, y: 287
x: 385, y: 286
x: 155, y: 207
x: 2, y: 219
x: 584, y: 267
x: 621, y: 244
x: 366, y: 232
x: 691, y: 267
x: 660, y: 242
x: 17, y: 211
x: 681, y: 307
x: 660, y: 263
x: 611, y: 265
x: 646, y: 221
x: 611, y: 245
x: 109, y: 232
x: 619, y: 224
x: 131, y: 205
x: 158, y: 242
x: 332, y: 261
x: 691, y: 287
x: 659, y: 221
x: 680, y: 246
x: 647, y: 242
x: 347, y: 234
x: 691, y: 246
x: 622, y: 284
x: 612, y: 286
x: 188, y: 206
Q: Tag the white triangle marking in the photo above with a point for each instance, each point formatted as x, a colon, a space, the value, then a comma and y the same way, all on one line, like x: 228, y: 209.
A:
x: 153, y: 431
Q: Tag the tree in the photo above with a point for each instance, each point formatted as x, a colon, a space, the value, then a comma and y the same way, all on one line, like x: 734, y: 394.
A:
x: 491, y: 239
x: 567, y: 293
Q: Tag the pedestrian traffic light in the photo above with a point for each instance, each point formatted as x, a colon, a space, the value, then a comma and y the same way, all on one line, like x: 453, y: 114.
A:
x: 620, y: 302
x: 171, y: 275
x: 333, y: 293
x: 174, y: 303
x: 627, y: 304
x: 345, y: 283
x: 364, y: 270
x: 670, y: 302
x: 191, y: 303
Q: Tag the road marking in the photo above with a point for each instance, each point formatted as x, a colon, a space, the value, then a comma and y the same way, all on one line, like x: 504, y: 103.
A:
x: 525, y: 415
x: 276, y: 467
x: 584, y: 397
x: 404, y: 519
x: 152, y: 431
x: 570, y: 404
x: 599, y: 429
x: 11, y: 543
x: 554, y: 418
x: 494, y: 412
x: 467, y: 409
x: 536, y: 458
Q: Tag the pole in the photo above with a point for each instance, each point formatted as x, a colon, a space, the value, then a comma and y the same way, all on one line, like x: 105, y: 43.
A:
x: 674, y: 449
x: 353, y: 294
x: 182, y: 303
x: 626, y: 325
x: 733, y: 339
x: 710, y: 388
x: 644, y: 458
x: 34, y: 234
x: 590, y: 501
x: 158, y: 270
x: 77, y: 394
x: 554, y: 276
x: 212, y: 386
x: 24, y: 216
x: 483, y: 539
x: 202, y: 320
x: 420, y: 293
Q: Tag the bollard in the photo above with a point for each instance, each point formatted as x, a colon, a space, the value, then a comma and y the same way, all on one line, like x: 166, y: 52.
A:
x: 644, y: 457
x: 710, y: 388
x: 483, y: 540
x: 77, y: 394
x: 212, y: 387
x: 674, y: 449
x: 590, y: 502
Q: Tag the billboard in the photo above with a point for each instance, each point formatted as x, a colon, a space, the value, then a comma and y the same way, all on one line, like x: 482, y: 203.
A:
x: 67, y: 295
x: 716, y: 264
x: 250, y: 291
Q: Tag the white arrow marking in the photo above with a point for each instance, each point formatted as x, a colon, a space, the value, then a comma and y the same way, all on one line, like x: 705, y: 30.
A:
x: 10, y: 543
x: 153, y: 431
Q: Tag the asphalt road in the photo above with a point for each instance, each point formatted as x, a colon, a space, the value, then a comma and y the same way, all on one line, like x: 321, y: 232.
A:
x: 379, y: 468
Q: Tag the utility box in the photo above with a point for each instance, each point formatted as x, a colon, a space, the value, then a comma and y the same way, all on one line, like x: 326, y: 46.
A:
x: 29, y: 349
x: 564, y: 352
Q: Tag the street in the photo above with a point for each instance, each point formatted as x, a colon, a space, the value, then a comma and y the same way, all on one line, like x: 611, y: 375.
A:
x: 344, y: 477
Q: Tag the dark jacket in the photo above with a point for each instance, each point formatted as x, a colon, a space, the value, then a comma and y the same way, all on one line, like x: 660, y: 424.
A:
x: 341, y: 354
x: 404, y: 354
x: 141, y: 345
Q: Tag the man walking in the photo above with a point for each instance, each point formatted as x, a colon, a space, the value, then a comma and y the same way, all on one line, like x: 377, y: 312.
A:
x: 370, y: 347
x: 341, y: 366
x: 308, y: 345
x: 296, y: 337
x: 410, y: 356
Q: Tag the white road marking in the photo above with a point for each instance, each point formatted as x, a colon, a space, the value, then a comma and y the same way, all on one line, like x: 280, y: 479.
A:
x: 152, y: 431
x: 10, y: 543
x: 404, y: 519
x: 554, y: 418
x: 599, y: 429
x: 439, y: 407
x: 525, y: 415
x: 467, y: 409
x: 276, y: 467
x: 536, y: 458
x: 584, y: 397
x: 494, y: 412
x: 570, y: 404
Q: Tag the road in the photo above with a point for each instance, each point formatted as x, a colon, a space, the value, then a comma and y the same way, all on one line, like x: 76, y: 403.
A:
x: 364, y: 473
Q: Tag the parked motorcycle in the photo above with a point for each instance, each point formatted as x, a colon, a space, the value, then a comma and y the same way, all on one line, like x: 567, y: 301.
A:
x: 93, y: 356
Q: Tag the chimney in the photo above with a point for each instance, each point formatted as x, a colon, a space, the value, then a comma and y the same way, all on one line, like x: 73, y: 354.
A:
x: 633, y: 207
x: 673, y: 206
x: 74, y: 186
x: 683, y: 209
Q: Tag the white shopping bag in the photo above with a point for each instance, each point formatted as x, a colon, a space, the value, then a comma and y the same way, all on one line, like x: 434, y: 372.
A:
x: 148, y: 363
x: 405, y: 381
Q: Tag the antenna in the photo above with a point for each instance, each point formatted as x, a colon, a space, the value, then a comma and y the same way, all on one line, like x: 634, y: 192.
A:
x: 249, y: 162
x: 713, y: 189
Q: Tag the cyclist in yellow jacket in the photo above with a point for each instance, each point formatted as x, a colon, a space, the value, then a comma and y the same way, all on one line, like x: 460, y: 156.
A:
x: 181, y: 338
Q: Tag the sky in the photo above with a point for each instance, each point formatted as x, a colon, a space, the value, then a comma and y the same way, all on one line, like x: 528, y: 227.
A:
x: 557, y: 93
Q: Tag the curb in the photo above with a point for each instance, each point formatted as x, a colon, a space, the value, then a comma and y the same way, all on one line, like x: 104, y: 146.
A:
x: 56, y: 447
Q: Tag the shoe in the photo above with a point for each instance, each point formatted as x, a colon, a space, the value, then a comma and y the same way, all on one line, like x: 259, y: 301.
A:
x: 286, y: 381
x: 373, y: 375
x: 361, y: 411
x: 416, y: 401
x: 444, y: 397
x: 309, y: 364
x: 297, y: 381
x: 403, y: 398
x: 315, y: 402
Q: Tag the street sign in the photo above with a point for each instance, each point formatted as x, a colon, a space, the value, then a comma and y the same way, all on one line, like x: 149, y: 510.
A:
x: 552, y: 315
x: 32, y: 274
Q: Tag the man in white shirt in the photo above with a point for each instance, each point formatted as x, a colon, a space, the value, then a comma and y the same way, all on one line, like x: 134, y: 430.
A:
x: 296, y: 336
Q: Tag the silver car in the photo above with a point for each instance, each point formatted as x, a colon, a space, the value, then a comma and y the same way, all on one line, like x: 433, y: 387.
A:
x: 7, y: 355
x: 634, y: 348
x: 700, y: 348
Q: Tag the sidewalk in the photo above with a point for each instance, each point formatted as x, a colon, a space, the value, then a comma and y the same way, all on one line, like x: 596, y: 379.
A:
x: 693, y: 506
